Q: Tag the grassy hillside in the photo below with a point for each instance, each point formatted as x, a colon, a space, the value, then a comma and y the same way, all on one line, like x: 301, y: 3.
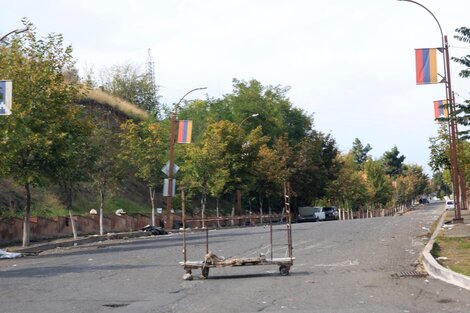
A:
x: 132, y: 195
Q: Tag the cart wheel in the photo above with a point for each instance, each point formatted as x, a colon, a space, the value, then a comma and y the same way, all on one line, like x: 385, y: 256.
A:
x: 188, y: 276
x: 205, y: 272
x: 284, y: 270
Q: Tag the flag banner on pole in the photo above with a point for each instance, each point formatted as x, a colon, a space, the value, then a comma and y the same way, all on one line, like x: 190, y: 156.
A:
x: 440, y: 109
x: 426, y: 66
x: 185, y: 129
x: 5, y: 97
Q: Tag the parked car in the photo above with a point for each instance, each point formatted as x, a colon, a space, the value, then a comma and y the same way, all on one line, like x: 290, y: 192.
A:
x: 423, y: 201
x: 320, y: 214
x: 450, y: 205
x: 331, y: 213
x: 309, y: 214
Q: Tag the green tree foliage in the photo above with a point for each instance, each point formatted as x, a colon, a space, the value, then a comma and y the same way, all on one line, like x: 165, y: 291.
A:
x: 393, y: 162
x: 412, y: 184
x: 72, y: 165
x: 106, y: 171
x: 273, y: 167
x: 440, y: 150
x: 204, y: 168
x: 128, y: 83
x: 350, y: 189
x: 463, y: 35
x: 380, y: 185
x: 275, y: 113
x: 463, y: 110
x: 360, y: 152
x: 314, y: 167
x: 142, y: 146
x: 35, y: 136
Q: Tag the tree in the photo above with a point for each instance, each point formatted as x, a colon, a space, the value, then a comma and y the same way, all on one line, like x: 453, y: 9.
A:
x: 440, y: 150
x: 412, y: 184
x: 380, y: 185
x: 463, y: 34
x: 314, y: 166
x: 33, y: 134
x: 350, y: 188
x: 442, y: 186
x: 106, y: 171
x: 142, y: 147
x: 275, y: 113
x: 360, y: 152
x: 273, y: 168
x: 393, y: 163
x: 204, y: 169
x: 126, y: 82
x: 72, y: 164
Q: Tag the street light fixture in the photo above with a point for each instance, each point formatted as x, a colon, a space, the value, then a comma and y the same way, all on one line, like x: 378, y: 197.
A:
x: 16, y: 32
x: 169, y: 216
x: 458, y: 195
x: 248, y: 117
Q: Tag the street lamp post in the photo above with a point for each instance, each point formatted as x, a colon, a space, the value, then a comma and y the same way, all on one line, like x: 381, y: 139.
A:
x: 452, y: 122
x: 169, y: 216
x: 239, y: 195
x: 6, y: 86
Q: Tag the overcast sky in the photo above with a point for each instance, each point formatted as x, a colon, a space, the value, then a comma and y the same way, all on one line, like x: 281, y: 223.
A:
x: 350, y: 63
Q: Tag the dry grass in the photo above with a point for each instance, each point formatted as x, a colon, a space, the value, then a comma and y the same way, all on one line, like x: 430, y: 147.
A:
x: 117, y: 103
x: 457, y: 252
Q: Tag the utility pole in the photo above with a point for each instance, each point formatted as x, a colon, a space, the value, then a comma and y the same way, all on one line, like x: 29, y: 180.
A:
x: 456, y: 185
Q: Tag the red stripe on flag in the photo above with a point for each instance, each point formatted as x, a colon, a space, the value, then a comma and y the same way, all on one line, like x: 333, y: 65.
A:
x: 419, y: 67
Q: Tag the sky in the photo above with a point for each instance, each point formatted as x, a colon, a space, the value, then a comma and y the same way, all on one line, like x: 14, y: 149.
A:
x: 349, y: 63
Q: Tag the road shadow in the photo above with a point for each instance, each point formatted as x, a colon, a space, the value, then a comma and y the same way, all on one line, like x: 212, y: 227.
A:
x: 256, y: 275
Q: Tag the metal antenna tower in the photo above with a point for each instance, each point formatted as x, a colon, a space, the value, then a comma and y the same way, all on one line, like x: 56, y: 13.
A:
x: 150, y: 66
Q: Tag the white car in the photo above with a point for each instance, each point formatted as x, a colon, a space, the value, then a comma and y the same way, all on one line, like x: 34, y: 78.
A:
x: 310, y: 214
x: 320, y: 214
x: 450, y: 205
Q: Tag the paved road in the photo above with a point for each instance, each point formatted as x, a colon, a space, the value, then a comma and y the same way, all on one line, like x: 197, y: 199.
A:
x: 341, y: 266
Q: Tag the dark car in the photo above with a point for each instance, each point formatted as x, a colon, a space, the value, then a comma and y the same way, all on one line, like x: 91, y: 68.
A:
x: 331, y: 213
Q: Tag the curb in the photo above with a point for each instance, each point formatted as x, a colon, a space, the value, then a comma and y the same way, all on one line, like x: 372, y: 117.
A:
x: 438, y: 271
x: 38, y: 248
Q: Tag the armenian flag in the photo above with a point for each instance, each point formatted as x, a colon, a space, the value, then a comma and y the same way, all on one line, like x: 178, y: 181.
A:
x: 185, y: 129
x: 426, y: 66
x: 440, y: 109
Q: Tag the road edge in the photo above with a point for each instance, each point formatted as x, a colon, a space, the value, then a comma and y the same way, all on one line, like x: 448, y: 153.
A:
x: 438, y: 271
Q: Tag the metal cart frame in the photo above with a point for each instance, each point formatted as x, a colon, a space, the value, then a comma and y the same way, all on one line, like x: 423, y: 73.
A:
x: 210, y: 260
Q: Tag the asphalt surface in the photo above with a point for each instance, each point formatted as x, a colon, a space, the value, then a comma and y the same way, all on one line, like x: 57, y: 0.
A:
x: 341, y: 266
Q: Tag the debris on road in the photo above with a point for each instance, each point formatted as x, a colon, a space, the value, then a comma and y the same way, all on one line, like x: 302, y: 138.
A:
x: 154, y: 230
x: 9, y: 255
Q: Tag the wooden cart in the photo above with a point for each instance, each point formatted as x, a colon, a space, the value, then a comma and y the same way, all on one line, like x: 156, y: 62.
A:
x: 211, y: 260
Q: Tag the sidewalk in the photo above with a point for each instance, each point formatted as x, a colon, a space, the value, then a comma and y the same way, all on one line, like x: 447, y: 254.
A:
x: 36, y: 248
x: 445, y: 230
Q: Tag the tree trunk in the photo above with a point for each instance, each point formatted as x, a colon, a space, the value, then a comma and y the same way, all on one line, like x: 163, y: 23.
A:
x: 72, y: 222
x: 203, y: 209
x: 260, y: 209
x: 233, y: 208
x: 218, y: 212
x: 69, y: 195
x: 27, y: 216
x: 101, y: 211
x: 152, y: 200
